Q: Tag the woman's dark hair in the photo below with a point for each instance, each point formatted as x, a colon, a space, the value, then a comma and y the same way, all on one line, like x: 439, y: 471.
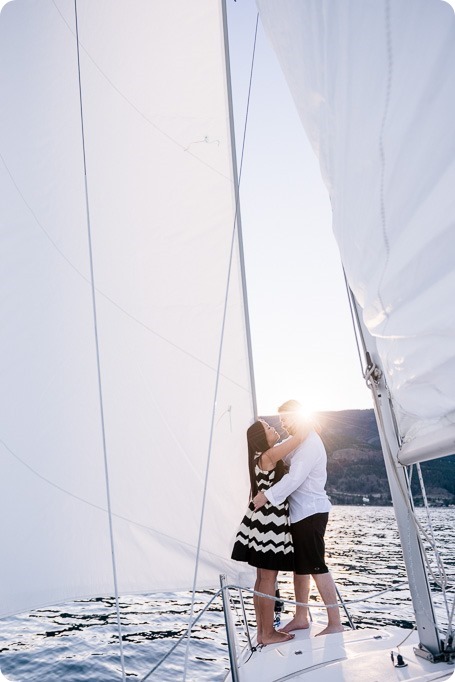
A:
x: 257, y: 444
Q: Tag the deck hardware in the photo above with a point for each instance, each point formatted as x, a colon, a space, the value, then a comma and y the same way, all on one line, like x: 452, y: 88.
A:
x: 400, y: 662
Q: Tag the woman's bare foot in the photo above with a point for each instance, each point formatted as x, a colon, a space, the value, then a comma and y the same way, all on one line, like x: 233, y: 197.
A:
x: 295, y: 624
x: 276, y: 637
x: 330, y: 629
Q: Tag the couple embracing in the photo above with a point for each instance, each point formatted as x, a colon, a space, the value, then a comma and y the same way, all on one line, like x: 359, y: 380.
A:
x: 283, y: 529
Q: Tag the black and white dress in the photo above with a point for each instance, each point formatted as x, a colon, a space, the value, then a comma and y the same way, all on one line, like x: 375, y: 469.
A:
x: 264, y: 538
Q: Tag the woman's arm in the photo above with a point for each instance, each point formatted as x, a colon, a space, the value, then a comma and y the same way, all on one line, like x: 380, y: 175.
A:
x: 273, y: 455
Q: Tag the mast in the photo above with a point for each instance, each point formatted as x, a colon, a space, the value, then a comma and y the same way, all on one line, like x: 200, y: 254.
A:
x: 238, y: 219
x: 430, y: 646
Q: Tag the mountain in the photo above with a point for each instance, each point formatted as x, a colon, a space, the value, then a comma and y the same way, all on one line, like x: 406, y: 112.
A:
x: 355, y: 467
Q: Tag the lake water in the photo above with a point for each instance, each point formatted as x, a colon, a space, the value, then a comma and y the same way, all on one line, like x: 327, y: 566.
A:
x: 79, y: 642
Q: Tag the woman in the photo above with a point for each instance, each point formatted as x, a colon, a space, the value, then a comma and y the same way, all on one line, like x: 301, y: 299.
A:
x: 263, y: 539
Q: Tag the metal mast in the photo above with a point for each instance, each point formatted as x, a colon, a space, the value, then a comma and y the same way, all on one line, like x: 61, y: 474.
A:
x: 430, y: 646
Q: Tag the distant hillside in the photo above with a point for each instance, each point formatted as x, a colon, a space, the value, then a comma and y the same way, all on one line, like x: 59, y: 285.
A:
x: 355, y: 467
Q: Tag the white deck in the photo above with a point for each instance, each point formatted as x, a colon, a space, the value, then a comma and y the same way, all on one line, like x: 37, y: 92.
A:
x: 350, y: 656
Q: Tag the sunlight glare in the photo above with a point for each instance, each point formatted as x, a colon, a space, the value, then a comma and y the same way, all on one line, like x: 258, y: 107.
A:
x: 306, y: 414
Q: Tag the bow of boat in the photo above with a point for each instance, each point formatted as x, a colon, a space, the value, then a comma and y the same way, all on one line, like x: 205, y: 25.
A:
x: 349, y: 656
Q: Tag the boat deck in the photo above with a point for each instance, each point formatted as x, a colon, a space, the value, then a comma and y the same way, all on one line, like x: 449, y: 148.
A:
x: 349, y: 656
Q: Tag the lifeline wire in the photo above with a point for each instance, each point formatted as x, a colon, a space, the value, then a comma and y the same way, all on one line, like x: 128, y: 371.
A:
x: 274, y: 598
x: 204, y: 496
x: 317, y: 605
x: 98, y: 362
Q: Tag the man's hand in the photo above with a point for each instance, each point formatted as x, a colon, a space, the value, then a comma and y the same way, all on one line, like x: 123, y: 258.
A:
x: 259, y: 500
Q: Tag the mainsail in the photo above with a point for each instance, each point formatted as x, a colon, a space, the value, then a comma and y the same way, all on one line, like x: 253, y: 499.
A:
x: 374, y: 85
x: 124, y: 362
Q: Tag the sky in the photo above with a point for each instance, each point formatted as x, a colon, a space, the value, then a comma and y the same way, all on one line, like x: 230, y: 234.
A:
x: 303, y: 341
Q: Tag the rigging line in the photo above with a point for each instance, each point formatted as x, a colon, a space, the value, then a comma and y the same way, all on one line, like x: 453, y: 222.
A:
x: 234, y: 230
x: 407, y: 494
x: 450, y: 626
x: 274, y: 598
x: 209, y: 454
x: 353, y: 320
x: 397, y: 646
x: 443, y: 580
x: 97, y: 349
x: 248, y: 99
x: 182, y: 637
x: 407, y: 499
x: 104, y: 295
x: 237, y: 181
x: 181, y: 146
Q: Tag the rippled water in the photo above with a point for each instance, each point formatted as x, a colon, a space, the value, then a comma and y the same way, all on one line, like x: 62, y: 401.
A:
x: 79, y: 642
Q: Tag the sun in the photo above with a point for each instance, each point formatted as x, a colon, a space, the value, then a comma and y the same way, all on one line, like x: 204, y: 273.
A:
x: 306, y: 414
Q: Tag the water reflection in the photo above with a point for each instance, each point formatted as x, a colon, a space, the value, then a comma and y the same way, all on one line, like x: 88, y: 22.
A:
x: 80, y: 641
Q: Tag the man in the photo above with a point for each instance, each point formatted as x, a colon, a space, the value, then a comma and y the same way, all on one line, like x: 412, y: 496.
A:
x: 304, y: 486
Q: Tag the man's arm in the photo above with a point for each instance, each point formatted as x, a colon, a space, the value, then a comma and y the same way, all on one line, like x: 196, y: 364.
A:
x: 301, y: 466
x: 273, y: 455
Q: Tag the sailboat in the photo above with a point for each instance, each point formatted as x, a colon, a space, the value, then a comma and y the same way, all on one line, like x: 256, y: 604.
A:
x: 126, y: 359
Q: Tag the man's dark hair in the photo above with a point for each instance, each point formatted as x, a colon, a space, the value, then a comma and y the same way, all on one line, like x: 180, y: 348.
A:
x: 290, y: 406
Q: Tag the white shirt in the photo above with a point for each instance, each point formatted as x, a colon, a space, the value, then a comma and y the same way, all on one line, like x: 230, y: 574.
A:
x: 304, y: 484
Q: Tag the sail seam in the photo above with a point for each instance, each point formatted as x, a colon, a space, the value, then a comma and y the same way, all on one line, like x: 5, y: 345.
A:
x: 104, y: 509
x: 97, y: 352
x: 181, y: 146
x: 102, y: 293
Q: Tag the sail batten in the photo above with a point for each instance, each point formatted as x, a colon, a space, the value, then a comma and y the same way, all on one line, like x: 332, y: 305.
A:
x: 430, y: 447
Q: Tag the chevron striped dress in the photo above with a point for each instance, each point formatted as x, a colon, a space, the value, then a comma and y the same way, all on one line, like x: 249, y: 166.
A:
x: 264, y: 539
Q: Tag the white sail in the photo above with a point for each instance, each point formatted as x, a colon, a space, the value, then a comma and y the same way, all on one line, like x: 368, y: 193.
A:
x: 160, y: 206
x: 374, y: 83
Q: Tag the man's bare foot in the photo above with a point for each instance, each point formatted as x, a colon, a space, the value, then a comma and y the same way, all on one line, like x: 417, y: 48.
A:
x: 295, y: 624
x: 276, y: 638
x: 331, y: 629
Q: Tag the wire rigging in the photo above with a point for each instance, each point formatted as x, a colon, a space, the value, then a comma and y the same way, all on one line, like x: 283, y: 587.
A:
x: 220, y: 352
x: 97, y: 352
x: 290, y: 602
